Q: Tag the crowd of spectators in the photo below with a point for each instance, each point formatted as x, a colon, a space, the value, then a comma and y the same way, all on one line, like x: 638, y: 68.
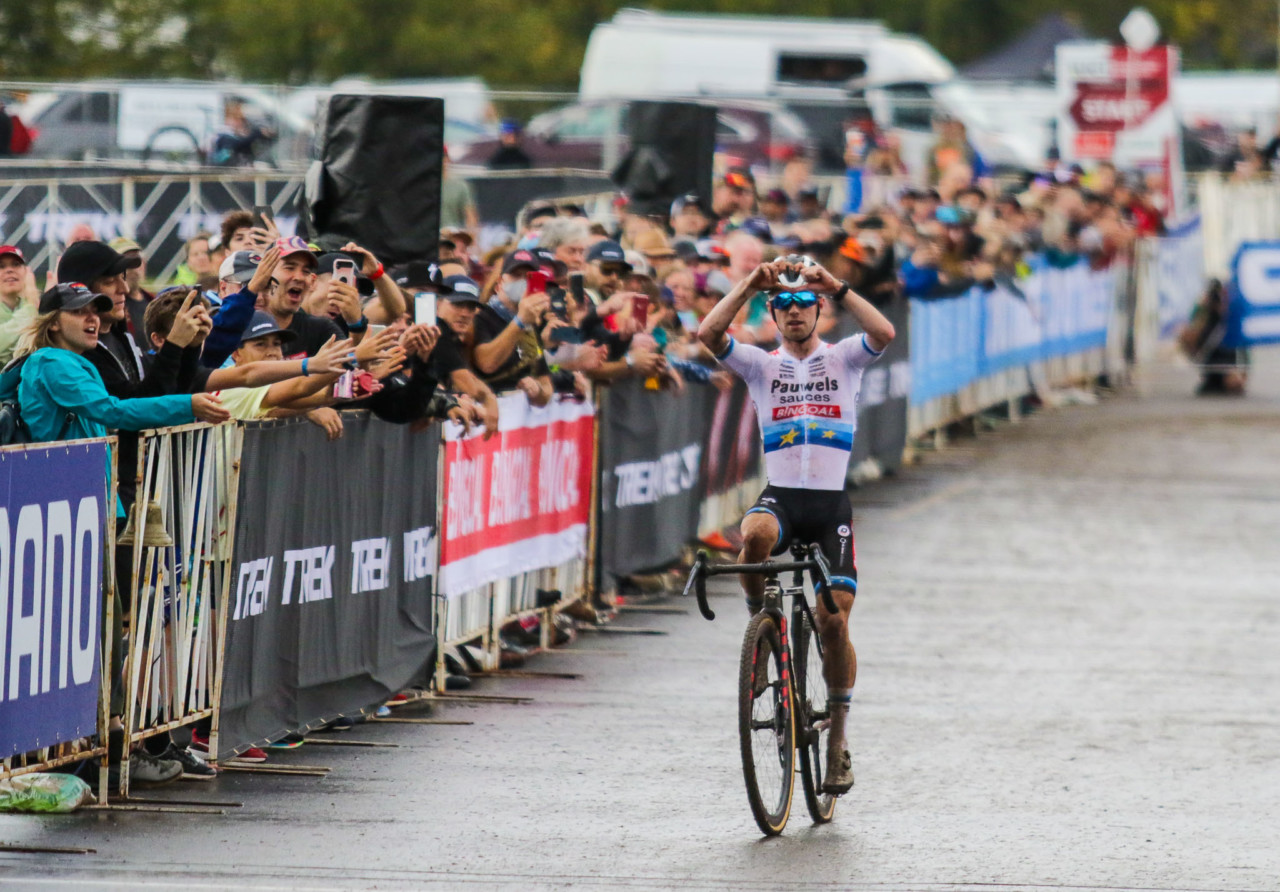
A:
x: 258, y: 324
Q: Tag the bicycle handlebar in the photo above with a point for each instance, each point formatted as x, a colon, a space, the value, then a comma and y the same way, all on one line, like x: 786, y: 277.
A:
x: 815, y: 563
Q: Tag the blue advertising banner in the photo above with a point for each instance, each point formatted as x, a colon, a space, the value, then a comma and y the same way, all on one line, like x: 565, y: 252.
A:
x: 1253, y: 313
x: 956, y: 341
x: 53, y: 504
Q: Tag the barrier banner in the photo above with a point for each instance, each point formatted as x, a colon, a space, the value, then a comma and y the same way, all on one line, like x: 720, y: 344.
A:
x: 1253, y: 313
x: 882, y: 403
x: 733, y: 450
x: 519, y: 500
x: 335, y: 559
x: 1052, y: 312
x: 53, y: 511
x: 652, y: 449
x: 1180, y: 274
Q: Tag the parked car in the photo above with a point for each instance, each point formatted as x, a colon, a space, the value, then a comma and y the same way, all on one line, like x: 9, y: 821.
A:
x: 154, y: 119
x: 593, y: 135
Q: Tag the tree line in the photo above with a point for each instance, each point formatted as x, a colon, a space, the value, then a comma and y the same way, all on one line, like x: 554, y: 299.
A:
x: 515, y: 43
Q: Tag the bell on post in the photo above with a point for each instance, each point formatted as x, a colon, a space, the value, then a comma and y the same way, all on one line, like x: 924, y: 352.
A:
x: 156, y: 536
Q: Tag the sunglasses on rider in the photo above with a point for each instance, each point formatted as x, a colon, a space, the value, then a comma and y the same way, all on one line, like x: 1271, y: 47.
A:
x: 784, y: 301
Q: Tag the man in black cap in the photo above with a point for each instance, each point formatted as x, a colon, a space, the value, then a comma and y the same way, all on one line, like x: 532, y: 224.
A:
x: 606, y: 267
x: 459, y: 303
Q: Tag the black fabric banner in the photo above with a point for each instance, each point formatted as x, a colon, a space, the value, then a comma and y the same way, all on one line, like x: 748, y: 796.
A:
x: 882, y: 405
x: 331, y: 605
x: 651, y: 449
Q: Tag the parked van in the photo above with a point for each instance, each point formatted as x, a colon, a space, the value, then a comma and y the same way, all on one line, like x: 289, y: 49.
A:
x: 825, y: 70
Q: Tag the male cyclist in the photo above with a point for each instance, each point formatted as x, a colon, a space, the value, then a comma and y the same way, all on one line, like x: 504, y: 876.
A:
x: 806, y: 397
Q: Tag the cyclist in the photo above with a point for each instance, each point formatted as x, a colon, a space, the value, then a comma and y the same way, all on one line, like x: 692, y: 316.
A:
x: 806, y: 399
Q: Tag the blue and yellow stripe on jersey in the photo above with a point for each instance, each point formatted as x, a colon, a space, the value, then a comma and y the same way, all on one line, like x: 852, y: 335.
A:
x: 805, y: 430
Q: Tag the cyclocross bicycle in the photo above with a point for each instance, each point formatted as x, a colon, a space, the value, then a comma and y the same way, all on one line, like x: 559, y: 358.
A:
x: 782, y: 696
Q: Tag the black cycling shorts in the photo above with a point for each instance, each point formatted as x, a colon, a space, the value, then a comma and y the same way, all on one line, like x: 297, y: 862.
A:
x: 814, y: 515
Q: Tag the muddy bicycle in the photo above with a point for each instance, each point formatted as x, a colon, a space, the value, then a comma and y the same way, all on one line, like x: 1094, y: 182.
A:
x: 782, y: 696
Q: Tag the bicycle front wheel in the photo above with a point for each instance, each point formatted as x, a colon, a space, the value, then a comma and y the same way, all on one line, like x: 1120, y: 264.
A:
x: 766, y: 724
x: 813, y: 721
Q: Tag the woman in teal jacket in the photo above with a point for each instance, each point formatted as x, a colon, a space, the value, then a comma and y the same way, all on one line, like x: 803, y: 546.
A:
x: 59, y: 392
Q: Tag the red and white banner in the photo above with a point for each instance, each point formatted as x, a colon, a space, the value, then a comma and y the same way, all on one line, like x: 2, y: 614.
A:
x: 1116, y: 104
x: 520, y: 500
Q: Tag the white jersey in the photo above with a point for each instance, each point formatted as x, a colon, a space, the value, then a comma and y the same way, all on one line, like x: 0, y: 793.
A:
x: 807, y: 408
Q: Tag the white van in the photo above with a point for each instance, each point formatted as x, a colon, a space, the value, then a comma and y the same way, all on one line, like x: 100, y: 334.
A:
x: 821, y: 68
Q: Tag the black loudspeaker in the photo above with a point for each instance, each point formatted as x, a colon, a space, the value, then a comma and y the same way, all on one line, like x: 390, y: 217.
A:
x: 377, y: 182
x: 672, y: 148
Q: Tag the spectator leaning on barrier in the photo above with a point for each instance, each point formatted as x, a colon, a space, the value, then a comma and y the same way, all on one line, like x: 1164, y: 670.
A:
x: 60, y: 393
x: 179, y: 307
x: 261, y: 355
x: 457, y: 308
x: 17, y: 299
x: 507, y: 351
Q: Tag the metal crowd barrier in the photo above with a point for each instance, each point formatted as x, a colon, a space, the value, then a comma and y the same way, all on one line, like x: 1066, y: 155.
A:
x: 179, y: 538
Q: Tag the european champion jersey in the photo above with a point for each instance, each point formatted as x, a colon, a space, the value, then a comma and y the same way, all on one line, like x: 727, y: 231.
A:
x: 807, y: 408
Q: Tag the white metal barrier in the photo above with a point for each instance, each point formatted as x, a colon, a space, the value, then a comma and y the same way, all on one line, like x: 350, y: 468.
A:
x: 182, y: 528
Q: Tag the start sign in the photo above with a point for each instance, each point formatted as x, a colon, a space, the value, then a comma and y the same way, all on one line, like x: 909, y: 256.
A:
x: 1116, y: 104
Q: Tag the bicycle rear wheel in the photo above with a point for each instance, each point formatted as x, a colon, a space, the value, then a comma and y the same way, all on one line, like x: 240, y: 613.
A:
x: 813, y: 720
x: 766, y: 724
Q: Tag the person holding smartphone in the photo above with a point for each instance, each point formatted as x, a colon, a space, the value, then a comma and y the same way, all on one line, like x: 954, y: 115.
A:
x: 507, y: 349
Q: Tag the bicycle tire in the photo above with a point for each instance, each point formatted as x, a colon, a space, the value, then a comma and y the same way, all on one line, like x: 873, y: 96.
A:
x: 768, y: 734
x: 812, y: 720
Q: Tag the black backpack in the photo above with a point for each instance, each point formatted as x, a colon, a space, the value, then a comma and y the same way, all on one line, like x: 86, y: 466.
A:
x: 13, y: 430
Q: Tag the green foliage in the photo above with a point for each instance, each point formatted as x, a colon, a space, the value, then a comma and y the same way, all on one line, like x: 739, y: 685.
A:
x: 514, y: 43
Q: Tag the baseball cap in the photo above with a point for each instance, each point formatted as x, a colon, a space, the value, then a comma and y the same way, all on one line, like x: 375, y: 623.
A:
x: 739, y: 179
x: 690, y: 199
x: 461, y: 289
x: 520, y: 259
x: 88, y: 260
x: 808, y: 192
x: 239, y: 266
x: 607, y: 251
x: 759, y: 227
x: 293, y: 245
x: 547, y: 261
x: 124, y: 245
x: 777, y: 196
x: 72, y: 296
x: 13, y: 250
x: 263, y: 324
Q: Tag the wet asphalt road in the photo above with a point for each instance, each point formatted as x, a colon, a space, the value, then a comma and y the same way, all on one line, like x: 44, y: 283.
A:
x: 1069, y: 644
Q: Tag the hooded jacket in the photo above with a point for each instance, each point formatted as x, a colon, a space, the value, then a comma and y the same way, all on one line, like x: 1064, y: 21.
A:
x: 55, y: 386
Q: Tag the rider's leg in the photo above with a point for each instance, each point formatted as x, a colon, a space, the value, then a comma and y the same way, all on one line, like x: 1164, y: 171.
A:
x: 759, y: 536
x: 839, y: 669
x: 840, y: 662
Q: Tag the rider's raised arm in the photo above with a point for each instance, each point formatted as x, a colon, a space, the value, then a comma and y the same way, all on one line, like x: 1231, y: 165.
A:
x: 713, y: 328
x: 878, y: 329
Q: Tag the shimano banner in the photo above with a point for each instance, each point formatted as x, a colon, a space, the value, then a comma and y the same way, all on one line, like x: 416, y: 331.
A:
x: 332, y: 601
x: 53, y: 510
x: 1253, y: 315
x: 652, y: 444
